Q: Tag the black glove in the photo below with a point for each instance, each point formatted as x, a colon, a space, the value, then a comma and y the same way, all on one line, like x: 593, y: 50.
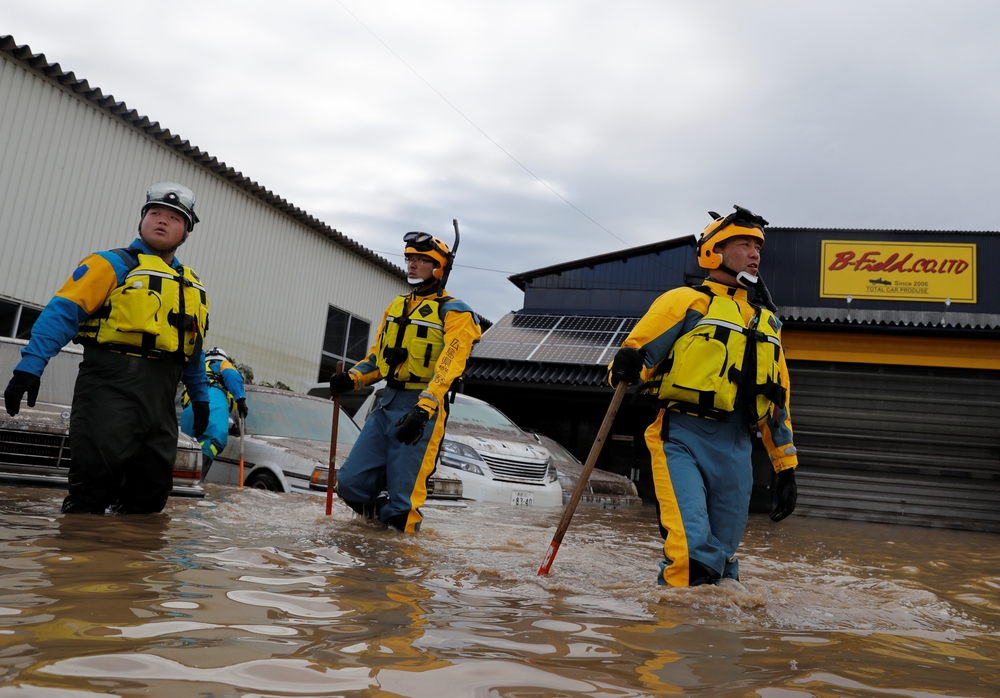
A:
x: 341, y: 384
x: 626, y: 365
x: 200, y: 410
x: 787, y: 494
x: 22, y: 382
x: 241, y: 408
x: 411, y: 426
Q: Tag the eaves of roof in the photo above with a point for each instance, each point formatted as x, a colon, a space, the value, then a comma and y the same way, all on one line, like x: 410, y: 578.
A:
x: 37, y: 64
x: 893, y: 231
x: 521, y: 280
x: 537, y: 372
x: 898, y: 318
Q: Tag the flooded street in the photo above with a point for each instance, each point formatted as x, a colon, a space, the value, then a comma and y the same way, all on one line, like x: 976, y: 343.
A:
x: 249, y: 593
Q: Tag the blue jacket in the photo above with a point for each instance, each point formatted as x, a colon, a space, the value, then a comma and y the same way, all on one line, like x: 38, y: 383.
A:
x: 232, y: 379
x: 83, y: 293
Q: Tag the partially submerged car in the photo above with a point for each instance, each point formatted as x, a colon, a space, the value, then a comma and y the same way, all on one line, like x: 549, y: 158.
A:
x: 34, y: 450
x: 286, y: 446
x: 496, y: 460
x: 604, y: 489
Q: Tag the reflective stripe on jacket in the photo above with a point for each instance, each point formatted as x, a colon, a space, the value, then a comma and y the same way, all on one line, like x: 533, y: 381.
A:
x: 158, y: 310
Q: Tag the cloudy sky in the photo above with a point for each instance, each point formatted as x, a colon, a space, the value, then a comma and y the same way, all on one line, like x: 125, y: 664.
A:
x: 557, y: 130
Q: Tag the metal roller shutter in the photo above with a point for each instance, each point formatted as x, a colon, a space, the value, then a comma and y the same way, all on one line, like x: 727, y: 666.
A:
x: 898, y: 444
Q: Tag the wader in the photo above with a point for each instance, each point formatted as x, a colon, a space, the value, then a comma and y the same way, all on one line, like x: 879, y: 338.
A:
x: 122, y: 433
x: 378, y: 461
x: 703, y: 478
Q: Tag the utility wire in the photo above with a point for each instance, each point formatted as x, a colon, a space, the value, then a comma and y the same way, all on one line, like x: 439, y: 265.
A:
x: 459, y: 112
x: 464, y: 266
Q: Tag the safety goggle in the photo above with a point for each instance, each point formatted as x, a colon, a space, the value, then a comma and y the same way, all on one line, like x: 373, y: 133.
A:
x: 423, y: 242
x: 742, y: 217
x: 173, y: 194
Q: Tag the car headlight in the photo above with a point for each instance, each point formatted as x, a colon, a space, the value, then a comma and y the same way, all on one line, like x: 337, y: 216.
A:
x: 318, y: 481
x: 551, y: 474
x: 451, y: 449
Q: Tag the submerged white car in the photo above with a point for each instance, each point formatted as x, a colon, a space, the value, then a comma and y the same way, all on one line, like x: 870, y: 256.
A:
x: 34, y: 451
x: 604, y: 489
x: 496, y: 460
x: 286, y: 446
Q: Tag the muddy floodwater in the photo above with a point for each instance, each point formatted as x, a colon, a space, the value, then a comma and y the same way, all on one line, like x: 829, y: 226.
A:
x: 249, y: 593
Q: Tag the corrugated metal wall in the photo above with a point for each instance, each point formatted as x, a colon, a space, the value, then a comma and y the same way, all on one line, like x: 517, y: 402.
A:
x: 898, y: 444
x: 72, y: 179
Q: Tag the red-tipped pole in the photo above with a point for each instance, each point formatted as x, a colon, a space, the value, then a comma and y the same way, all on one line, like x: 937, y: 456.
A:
x: 331, y: 473
x: 581, y: 484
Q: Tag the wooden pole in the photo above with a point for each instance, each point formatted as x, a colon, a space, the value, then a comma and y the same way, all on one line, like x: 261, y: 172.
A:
x: 581, y: 484
x: 240, y: 417
x: 331, y: 473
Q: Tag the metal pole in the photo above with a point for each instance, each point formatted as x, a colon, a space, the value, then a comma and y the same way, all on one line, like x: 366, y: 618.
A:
x: 331, y: 473
x: 581, y: 484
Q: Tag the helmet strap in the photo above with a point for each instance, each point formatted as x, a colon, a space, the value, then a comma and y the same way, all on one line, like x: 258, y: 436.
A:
x: 724, y: 268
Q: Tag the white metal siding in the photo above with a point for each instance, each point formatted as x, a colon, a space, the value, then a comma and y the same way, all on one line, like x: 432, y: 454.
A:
x: 72, y: 179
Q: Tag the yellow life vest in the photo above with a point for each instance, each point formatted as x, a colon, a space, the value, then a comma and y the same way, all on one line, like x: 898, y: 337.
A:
x: 214, y: 379
x: 158, y: 311
x: 708, y: 368
x: 410, y: 343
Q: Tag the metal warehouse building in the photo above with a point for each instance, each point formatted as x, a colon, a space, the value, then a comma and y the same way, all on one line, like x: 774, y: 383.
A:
x: 289, y: 294
x: 893, y: 345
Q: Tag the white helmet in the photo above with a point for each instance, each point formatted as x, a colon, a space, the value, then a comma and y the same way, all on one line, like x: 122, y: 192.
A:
x: 216, y: 354
x: 172, y: 195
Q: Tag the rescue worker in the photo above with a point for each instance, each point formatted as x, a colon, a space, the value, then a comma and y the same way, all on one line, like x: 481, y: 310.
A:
x: 225, y: 395
x: 141, y: 317
x: 713, y: 359
x: 421, y: 348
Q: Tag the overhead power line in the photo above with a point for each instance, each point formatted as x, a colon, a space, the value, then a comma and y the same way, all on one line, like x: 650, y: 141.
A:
x: 475, y: 126
x: 464, y: 266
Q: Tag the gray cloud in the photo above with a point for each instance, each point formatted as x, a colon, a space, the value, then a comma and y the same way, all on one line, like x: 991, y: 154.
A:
x: 644, y: 114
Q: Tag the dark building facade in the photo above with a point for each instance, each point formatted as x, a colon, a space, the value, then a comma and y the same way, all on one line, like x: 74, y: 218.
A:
x: 893, y: 344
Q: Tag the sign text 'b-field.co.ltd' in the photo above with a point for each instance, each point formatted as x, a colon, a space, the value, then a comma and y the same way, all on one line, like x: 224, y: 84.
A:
x: 903, y: 271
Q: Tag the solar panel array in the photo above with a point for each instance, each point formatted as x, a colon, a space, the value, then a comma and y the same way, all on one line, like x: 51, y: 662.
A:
x: 572, y: 339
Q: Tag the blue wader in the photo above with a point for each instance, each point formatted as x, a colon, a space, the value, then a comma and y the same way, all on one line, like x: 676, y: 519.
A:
x: 703, y: 478
x: 379, y: 462
x: 216, y: 436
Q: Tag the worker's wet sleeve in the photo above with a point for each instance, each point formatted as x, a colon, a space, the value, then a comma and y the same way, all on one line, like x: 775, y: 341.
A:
x: 195, y: 379
x: 83, y: 293
x: 232, y: 379
x: 671, y: 315
x: 366, y: 372
x: 461, y: 331
x: 777, y: 429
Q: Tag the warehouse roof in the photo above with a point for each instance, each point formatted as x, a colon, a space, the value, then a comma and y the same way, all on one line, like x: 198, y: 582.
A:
x: 521, y: 280
x: 37, y: 64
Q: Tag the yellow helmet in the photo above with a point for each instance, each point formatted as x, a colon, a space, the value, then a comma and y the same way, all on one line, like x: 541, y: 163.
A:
x: 741, y: 222
x: 429, y: 246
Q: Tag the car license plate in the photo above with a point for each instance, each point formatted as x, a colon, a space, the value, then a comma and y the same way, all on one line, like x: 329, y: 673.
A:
x: 520, y: 499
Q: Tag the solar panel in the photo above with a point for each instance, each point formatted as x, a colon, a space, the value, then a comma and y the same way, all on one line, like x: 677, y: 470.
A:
x: 574, y: 339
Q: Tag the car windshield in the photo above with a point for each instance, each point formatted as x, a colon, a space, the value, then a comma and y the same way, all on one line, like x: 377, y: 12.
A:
x: 558, y: 451
x: 482, y: 415
x: 296, y: 417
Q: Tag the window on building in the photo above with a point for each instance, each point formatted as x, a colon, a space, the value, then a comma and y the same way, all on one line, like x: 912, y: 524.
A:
x: 346, y: 340
x: 17, y: 319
